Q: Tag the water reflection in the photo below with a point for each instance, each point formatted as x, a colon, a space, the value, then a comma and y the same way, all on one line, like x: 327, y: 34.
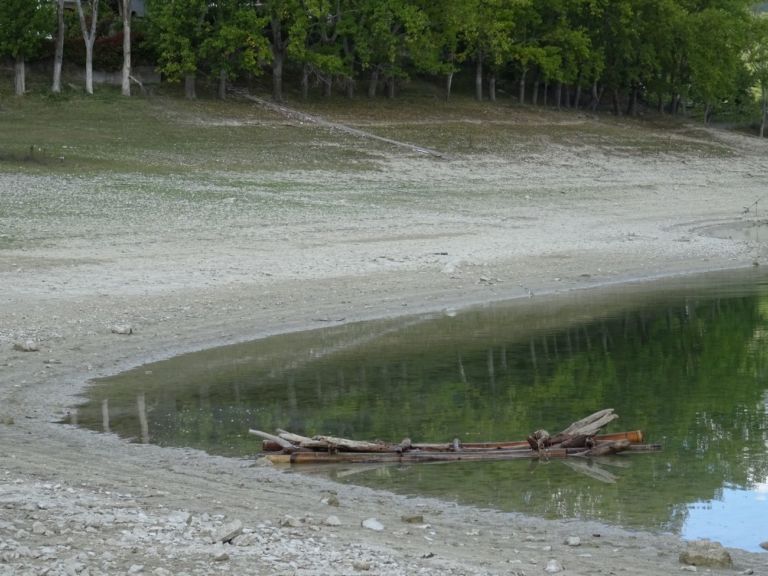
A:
x: 687, y: 365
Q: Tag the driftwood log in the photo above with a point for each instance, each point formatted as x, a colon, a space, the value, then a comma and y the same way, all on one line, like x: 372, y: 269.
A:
x: 579, y: 439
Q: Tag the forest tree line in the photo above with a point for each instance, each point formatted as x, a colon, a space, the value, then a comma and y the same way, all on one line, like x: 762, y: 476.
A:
x: 667, y: 54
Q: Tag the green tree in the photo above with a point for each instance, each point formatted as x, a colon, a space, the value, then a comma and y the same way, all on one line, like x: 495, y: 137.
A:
x: 178, y: 30
x: 234, y: 43
x: 715, y: 55
x: 487, y: 37
x: 389, y: 36
x: 756, y: 56
x: 280, y: 15
x: 315, y: 44
x: 23, y: 26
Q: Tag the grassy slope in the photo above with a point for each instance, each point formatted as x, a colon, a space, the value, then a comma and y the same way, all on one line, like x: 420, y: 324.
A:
x: 167, y: 135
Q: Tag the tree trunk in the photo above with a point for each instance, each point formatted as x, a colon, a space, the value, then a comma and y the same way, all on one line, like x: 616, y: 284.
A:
x: 546, y: 91
x: 479, y: 77
x: 535, y: 95
x: 58, y: 57
x: 89, y: 67
x: 89, y: 37
x: 577, y: 98
x: 126, y: 80
x: 190, y: 92
x: 616, y: 102
x: 277, y: 74
x: 305, y: 82
x: 521, y: 91
x: 391, y: 87
x: 448, y: 84
x: 20, y: 76
x: 707, y: 113
x: 632, y: 103
x: 373, y: 83
x: 765, y: 110
x: 350, y: 88
x: 675, y: 104
x: 327, y: 87
x: 595, y: 97
x: 492, y: 87
x: 222, y: 84
x: 558, y: 94
x: 567, y: 95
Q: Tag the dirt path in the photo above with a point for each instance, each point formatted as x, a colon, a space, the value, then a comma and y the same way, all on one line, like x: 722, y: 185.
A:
x: 339, y: 127
x: 234, y: 264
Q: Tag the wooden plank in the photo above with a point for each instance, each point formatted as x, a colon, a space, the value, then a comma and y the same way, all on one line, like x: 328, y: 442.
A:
x: 272, y: 438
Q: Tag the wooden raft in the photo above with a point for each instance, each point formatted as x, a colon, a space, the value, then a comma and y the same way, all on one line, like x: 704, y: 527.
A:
x: 580, y: 439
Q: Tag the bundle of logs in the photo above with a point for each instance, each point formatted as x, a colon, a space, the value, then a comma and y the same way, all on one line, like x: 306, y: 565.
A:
x: 580, y: 439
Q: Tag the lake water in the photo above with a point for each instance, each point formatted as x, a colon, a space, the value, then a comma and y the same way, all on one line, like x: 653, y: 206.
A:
x: 686, y: 361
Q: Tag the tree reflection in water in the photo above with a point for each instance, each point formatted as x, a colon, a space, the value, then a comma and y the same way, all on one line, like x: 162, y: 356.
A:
x: 688, y: 366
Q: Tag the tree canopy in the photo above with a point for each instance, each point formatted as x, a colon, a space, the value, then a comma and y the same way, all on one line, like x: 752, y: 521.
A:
x: 667, y: 53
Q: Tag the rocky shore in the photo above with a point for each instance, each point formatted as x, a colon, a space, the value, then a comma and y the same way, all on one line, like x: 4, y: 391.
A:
x: 189, y: 272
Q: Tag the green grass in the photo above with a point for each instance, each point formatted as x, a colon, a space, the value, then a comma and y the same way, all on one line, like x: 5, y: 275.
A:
x: 164, y: 134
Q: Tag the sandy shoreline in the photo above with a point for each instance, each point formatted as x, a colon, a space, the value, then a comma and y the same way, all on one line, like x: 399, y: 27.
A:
x: 236, y: 265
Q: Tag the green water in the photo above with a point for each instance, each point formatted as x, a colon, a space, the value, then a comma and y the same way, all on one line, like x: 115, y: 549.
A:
x: 684, y: 361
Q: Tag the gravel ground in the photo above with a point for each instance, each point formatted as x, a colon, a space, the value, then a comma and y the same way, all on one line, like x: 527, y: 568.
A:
x: 190, y: 261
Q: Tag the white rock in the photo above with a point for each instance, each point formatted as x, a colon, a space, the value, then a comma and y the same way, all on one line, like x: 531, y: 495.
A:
x: 124, y: 329
x: 221, y: 557
x: 372, y: 524
x: 289, y: 521
x: 136, y: 569
x: 573, y: 541
x: 27, y: 346
x: 332, y: 521
x: 38, y: 528
x: 553, y: 567
x: 227, y: 532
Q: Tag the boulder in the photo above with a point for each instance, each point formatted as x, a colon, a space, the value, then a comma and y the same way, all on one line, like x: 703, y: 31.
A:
x: 706, y: 553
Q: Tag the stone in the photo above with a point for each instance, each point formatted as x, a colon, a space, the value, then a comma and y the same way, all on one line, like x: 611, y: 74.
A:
x: 180, y: 517
x: 38, y: 528
x: 136, y: 569
x: 361, y: 566
x: 221, y: 557
x: 228, y: 532
x: 706, y: 553
x: 413, y: 518
x: 289, y: 521
x: 332, y: 521
x: 573, y: 541
x: 123, y: 329
x: 26, y: 346
x: 331, y: 500
x: 553, y: 567
x: 372, y: 524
